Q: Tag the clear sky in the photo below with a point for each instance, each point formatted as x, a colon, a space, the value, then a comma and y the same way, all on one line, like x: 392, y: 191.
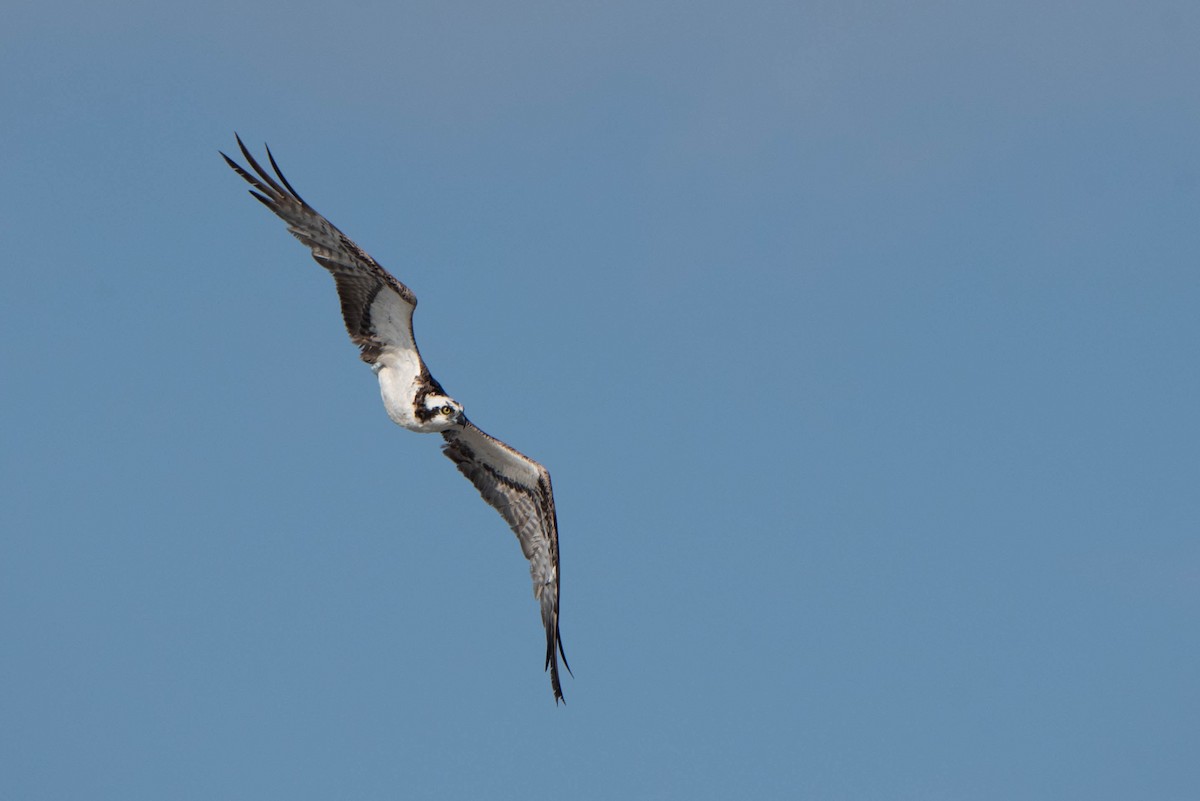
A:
x: 860, y: 339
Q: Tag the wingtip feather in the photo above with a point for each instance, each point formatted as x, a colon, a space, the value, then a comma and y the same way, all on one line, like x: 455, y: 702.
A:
x: 264, y: 181
x: 554, y: 649
x: 279, y: 172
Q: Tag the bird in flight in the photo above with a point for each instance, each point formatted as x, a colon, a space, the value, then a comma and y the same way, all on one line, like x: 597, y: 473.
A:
x: 378, y: 311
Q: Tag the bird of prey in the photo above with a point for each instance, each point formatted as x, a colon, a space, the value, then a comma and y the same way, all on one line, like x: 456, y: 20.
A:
x: 378, y: 311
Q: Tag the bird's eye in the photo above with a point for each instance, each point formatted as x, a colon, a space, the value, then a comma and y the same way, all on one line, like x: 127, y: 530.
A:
x: 446, y: 410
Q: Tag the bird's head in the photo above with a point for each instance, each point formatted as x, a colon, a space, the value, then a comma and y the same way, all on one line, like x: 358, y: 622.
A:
x: 441, y: 411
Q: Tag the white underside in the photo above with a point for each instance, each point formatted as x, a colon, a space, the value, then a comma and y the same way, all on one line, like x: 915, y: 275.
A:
x: 399, y: 366
x: 399, y: 373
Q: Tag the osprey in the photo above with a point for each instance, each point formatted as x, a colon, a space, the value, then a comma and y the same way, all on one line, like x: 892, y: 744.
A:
x: 378, y: 312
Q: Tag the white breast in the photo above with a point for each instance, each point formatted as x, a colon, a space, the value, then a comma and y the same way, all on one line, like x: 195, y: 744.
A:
x: 399, y: 375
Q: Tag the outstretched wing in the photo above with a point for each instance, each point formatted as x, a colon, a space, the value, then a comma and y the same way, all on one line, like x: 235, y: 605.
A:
x: 519, y: 489
x: 377, y: 308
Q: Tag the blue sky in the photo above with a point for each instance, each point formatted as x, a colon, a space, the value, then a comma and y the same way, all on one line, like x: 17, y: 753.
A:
x: 860, y: 339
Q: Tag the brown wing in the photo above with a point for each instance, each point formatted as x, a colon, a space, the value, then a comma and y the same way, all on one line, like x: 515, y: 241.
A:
x: 519, y: 489
x: 376, y: 307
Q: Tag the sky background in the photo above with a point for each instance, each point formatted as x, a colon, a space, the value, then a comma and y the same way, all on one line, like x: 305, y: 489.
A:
x: 860, y: 339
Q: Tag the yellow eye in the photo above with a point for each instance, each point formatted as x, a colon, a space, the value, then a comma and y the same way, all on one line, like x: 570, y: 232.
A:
x: 446, y: 410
